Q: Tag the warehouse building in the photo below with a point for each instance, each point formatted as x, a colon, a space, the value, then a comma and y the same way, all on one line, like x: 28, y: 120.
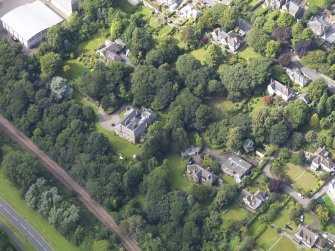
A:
x: 29, y: 23
x: 66, y: 6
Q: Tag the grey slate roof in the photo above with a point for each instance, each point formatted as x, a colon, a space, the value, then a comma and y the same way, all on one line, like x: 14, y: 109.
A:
x: 236, y: 165
x: 201, y: 175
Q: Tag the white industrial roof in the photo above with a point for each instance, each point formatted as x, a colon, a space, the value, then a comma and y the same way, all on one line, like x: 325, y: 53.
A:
x: 30, y: 19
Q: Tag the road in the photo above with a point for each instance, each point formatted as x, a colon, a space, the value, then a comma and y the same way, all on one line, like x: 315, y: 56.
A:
x: 287, y: 189
x: 13, y: 238
x: 95, y: 208
x: 34, y: 238
x: 313, y: 74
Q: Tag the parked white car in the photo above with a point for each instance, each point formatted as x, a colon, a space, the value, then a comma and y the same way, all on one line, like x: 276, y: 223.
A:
x: 300, y: 195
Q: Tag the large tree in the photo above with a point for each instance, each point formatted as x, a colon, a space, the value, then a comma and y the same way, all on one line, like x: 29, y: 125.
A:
x: 258, y: 40
x: 51, y: 64
x: 316, y: 89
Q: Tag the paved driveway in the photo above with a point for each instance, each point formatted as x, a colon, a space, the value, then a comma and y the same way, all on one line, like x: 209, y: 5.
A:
x: 106, y: 120
x: 287, y: 189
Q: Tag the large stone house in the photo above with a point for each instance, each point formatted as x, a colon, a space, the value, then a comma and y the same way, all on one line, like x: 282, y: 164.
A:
x: 236, y: 167
x: 305, y: 236
x: 255, y: 200
x: 297, y: 77
x: 323, y: 26
x: 280, y: 90
x: 318, y: 26
x: 294, y: 8
x: 112, y: 50
x: 231, y: 39
x: 135, y: 123
x: 190, y: 11
x: 320, y: 159
x: 201, y: 175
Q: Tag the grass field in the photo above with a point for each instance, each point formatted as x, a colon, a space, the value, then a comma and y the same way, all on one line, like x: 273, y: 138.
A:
x: 319, y: 3
x: 199, y: 54
x: 177, y: 168
x: 221, y: 104
x: 329, y: 204
x: 76, y: 69
x: 119, y: 145
x: 301, y: 177
x: 284, y: 244
x: 259, y: 183
x: 235, y: 214
x: 164, y: 30
x: 308, y: 219
x: 248, y: 53
x: 284, y: 218
x: 86, y: 47
x: 330, y: 227
x: 228, y: 179
x: 257, y: 104
x: 254, y: 226
x: 268, y: 238
x: 11, y: 195
x: 18, y: 235
x: 92, y: 44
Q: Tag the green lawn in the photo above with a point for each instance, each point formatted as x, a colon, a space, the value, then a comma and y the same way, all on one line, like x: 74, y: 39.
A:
x: 164, y: 30
x: 248, y: 53
x: 84, y: 102
x: 254, y: 226
x: 177, y: 170
x: 177, y: 40
x: 319, y: 3
x: 330, y: 227
x: 256, y: 104
x: 76, y: 70
x: 145, y: 12
x: 19, y: 236
x: 268, y: 239
x: 92, y: 44
x: 329, y: 204
x: 259, y: 183
x: 86, y: 47
x: 119, y: 145
x: 221, y: 104
x: 284, y: 244
x: 235, y: 214
x: 301, y: 177
x: 10, y: 194
x: 284, y: 218
x: 308, y: 219
x: 154, y: 22
x: 199, y: 54
x: 228, y: 179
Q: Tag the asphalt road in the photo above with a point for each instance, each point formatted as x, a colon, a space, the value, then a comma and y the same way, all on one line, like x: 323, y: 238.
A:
x: 313, y: 74
x: 95, y: 208
x: 34, y: 238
